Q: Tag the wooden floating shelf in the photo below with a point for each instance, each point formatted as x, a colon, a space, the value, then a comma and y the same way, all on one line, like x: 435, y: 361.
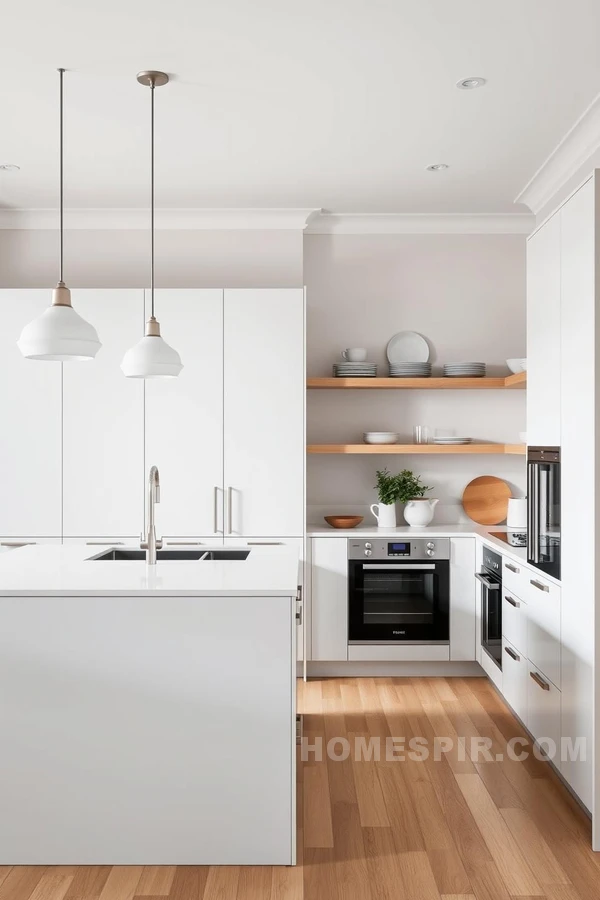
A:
x: 428, y: 384
x: 442, y: 449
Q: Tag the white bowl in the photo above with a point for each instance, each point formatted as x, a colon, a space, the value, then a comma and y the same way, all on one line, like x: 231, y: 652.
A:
x: 524, y: 364
x: 515, y: 365
x: 380, y: 437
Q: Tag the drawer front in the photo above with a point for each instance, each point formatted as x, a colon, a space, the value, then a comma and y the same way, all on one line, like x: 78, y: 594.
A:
x: 515, y: 673
x: 543, y: 709
x: 543, y: 626
x: 514, y: 577
x: 514, y: 620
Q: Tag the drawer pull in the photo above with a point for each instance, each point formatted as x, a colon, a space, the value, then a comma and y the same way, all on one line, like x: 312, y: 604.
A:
x: 511, y: 568
x: 539, y: 681
x: 540, y: 586
x: 512, y: 602
x: 513, y: 655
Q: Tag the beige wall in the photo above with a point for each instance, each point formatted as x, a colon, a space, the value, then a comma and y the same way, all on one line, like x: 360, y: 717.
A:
x: 107, y: 258
x: 466, y: 294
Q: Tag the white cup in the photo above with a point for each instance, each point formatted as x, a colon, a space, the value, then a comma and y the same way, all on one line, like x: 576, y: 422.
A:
x: 354, y: 354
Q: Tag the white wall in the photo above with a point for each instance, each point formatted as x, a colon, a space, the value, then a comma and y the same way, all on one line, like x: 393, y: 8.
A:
x: 466, y: 294
x: 120, y: 258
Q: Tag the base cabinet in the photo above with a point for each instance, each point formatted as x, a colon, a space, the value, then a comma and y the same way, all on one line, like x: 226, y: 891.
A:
x: 463, y: 590
x: 543, y: 712
x: 329, y: 599
x: 514, y: 679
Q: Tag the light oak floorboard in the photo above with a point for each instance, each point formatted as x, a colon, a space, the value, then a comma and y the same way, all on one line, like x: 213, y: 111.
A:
x: 387, y: 829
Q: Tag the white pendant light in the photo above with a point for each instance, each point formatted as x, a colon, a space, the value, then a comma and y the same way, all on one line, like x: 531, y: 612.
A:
x: 59, y: 333
x: 152, y: 357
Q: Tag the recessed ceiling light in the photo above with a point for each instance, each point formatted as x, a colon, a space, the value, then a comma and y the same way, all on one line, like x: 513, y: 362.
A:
x: 437, y: 167
x: 469, y: 84
x: 9, y: 167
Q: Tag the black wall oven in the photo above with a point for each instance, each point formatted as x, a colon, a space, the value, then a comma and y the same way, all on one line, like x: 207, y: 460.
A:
x: 490, y: 579
x: 399, y: 591
x: 543, y: 509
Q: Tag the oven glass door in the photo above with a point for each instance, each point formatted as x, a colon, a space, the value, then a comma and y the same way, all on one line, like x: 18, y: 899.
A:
x: 393, y: 602
x: 544, y: 516
x: 491, y: 616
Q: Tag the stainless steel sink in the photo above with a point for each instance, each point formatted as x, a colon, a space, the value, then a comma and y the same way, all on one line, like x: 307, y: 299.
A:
x: 117, y: 555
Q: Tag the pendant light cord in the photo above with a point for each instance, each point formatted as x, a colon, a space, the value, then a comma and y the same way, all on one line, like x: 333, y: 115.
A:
x: 152, y: 197
x: 60, y: 145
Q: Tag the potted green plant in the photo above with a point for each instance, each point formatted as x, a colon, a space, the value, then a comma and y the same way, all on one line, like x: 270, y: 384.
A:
x: 407, y: 488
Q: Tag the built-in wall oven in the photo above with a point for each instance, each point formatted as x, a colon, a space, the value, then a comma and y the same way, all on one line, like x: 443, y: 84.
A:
x: 490, y: 579
x: 543, y: 509
x: 399, y: 591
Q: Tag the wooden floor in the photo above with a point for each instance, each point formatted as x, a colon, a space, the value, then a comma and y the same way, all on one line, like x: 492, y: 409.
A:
x: 454, y: 828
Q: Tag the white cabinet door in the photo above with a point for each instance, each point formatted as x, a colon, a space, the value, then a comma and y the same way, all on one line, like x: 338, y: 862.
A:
x: 463, y: 590
x: 329, y: 598
x: 578, y: 475
x: 515, y: 674
x: 543, y: 335
x: 30, y: 447
x: 103, y: 422
x: 514, y: 621
x: 184, y: 415
x: 543, y: 711
x: 264, y: 444
x: 543, y: 626
x: 302, y: 642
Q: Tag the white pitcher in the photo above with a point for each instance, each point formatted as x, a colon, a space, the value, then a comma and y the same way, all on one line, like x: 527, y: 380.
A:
x: 385, y: 513
x: 419, y: 512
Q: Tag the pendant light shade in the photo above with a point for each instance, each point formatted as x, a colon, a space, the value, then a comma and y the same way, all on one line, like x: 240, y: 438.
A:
x: 59, y: 333
x: 152, y: 357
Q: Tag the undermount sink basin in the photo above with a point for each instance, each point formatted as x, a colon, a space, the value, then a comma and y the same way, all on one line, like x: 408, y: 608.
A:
x: 115, y: 555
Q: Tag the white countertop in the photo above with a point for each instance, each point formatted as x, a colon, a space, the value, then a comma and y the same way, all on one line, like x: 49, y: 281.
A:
x: 51, y: 570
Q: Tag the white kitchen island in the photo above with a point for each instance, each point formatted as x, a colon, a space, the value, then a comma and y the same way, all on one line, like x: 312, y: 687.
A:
x: 147, y: 714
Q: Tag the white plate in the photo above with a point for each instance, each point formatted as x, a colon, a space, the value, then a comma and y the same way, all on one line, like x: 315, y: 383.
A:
x: 407, y: 346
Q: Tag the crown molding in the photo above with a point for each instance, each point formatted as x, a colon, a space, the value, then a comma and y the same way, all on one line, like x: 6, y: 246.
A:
x: 166, y: 219
x: 310, y: 221
x: 435, y: 223
x: 579, y: 143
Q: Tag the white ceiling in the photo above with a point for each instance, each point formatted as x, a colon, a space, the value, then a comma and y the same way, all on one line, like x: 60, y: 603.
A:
x: 337, y: 104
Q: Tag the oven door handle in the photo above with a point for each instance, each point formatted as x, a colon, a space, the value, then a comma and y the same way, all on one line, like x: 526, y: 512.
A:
x: 398, y: 567
x: 490, y: 585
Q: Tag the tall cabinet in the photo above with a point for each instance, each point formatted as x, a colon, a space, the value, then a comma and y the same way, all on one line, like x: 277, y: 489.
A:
x: 563, y: 409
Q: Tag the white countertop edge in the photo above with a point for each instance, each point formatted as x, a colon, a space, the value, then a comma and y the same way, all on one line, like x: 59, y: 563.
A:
x: 241, y: 594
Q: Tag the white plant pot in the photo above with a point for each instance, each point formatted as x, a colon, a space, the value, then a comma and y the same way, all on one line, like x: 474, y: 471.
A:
x: 419, y: 512
x: 385, y: 513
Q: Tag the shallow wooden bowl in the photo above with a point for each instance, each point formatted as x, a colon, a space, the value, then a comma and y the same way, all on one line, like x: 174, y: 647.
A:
x: 343, y: 521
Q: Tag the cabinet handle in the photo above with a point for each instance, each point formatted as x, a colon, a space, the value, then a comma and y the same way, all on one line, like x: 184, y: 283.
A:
x: 216, y: 528
x: 540, y: 586
x: 18, y: 543
x: 264, y: 543
x: 539, y: 681
x: 513, y: 655
x: 184, y: 544
x: 511, y: 601
x: 229, y: 510
x: 511, y: 568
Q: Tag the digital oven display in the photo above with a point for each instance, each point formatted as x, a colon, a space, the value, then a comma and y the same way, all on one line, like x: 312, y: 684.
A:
x: 399, y: 549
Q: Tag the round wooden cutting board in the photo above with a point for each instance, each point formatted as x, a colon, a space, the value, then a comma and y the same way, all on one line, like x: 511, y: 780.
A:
x: 485, y: 500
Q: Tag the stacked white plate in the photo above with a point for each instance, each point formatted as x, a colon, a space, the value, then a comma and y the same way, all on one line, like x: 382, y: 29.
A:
x: 451, y: 439
x: 380, y: 437
x: 464, y: 370
x: 354, y: 370
x: 410, y: 370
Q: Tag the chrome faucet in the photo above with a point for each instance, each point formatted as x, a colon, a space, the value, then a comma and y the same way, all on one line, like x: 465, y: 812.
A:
x: 152, y: 543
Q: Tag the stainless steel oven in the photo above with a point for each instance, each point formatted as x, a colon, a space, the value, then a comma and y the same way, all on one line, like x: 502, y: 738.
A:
x: 399, y: 591
x: 543, y: 509
x: 490, y: 579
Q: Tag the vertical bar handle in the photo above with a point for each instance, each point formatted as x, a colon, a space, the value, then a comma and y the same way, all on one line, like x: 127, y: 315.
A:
x: 229, y: 510
x: 216, y: 528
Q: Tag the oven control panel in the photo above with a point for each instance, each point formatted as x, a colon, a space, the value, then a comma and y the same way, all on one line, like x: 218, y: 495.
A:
x: 420, y: 548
